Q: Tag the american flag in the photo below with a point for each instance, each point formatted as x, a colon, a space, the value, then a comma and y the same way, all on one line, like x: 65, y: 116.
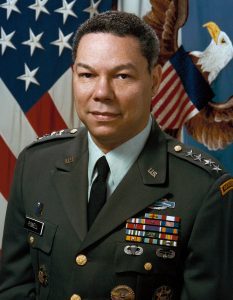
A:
x: 183, y: 92
x: 35, y: 74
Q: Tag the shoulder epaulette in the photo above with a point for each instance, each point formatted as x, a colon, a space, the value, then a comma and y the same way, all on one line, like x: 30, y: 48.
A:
x: 196, y: 157
x: 61, y: 134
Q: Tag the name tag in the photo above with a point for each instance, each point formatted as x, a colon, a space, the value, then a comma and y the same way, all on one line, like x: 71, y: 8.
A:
x: 34, y: 225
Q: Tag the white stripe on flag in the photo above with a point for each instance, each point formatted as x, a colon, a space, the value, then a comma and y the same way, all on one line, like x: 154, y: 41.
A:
x: 177, y: 111
x: 171, y: 73
x: 3, y: 206
x: 62, y: 95
x: 185, y: 115
x: 170, y: 104
x: 17, y: 131
x: 168, y: 92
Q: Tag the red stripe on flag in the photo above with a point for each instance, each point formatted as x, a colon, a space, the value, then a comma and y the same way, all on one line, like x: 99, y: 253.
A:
x: 186, y: 116
x: 166, y: 72
x: 171, y: 106
x: 51, y: 121
x: 177, y: 122
x: 164, y: 89
x: 175, y: 105
x: 7, y: 166
x: 167, y: 100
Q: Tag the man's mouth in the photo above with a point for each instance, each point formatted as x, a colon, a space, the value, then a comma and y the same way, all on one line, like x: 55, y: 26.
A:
x: 104, y: 115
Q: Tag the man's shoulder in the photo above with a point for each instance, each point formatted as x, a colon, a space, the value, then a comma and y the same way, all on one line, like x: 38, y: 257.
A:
x: 64, y: 134
x: 195, y: 157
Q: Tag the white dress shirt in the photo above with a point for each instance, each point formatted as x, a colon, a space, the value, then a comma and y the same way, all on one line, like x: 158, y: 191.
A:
x: 119, y: 159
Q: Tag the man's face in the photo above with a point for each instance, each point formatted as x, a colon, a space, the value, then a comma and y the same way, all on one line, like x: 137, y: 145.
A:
x: 113, y: 88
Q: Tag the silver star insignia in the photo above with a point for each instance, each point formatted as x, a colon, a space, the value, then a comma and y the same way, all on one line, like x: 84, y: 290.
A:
x: 216, y: 168
x: 197, y: 157
x: 208, y: 162
x: 189, y: 153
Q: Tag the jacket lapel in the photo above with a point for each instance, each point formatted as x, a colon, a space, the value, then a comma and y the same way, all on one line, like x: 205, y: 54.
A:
x: 71, y: 183
x: 149, y: 170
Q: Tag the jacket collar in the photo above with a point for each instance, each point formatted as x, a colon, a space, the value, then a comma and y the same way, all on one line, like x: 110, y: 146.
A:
x: 136, y: 191
x: 153, y: 159
x: 71, y: 183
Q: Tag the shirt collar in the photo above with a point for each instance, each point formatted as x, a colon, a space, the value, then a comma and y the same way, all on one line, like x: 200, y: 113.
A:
x: 119, y: 159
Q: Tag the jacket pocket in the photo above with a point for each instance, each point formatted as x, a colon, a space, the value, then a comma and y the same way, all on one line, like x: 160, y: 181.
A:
x: 41, y: 254
x: 154, y: 267
x: 44, y: 241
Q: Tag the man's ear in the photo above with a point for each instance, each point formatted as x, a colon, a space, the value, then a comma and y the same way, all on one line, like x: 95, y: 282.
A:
x: 156, y: 77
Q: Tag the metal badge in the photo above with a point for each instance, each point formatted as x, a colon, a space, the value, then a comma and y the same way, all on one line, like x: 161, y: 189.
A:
x: 165, y: 253
x: 34, y: 225
x: 69, y: 160
x: 163, y: 292
x: 133, y: 250
x: 163, y: 204
x: 39, y: 209
x: 152, y: 172
x: 122, y: 292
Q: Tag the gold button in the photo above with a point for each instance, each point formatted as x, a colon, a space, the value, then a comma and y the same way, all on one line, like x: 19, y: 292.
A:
x: 75, y: 297
x: 148, y: 266
x: 31, y: 239
x: 81, y: 260
x: 177, y: 148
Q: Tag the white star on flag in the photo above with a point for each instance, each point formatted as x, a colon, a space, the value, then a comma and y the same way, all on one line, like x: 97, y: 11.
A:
x: 28, y: 76
x: 34, y: 41
x: 5, y: 40
x: 66, y: 10
x: 39, y: 6
x: 93, y: 8
x: 62, y: 42
x: 10, y: 5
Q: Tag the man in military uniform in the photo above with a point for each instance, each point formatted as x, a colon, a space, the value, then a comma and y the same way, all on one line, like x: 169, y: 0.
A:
x: 117, y: 209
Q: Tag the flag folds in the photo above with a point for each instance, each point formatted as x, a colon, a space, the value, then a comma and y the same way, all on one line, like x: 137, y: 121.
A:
x: 35, y: 74
x: 183, y: 92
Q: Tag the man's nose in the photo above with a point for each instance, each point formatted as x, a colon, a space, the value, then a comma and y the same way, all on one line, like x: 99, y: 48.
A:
x: 103, y: 89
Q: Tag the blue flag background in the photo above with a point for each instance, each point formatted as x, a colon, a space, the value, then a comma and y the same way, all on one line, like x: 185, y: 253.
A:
x: 220, y: 12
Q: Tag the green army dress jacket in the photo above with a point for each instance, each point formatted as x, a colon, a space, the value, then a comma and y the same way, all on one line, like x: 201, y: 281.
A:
x: 165, y: 232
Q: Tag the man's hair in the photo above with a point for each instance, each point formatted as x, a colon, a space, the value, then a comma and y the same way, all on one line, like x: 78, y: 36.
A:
x: 121, y: 24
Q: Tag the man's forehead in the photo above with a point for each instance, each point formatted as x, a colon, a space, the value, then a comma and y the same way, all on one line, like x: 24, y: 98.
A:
x: 116, y: 52
x: 117, y: 67
x: 87, y: 37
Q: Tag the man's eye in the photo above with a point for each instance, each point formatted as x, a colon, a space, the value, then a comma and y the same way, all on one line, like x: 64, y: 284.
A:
x: 123, y: 76
x: 85, y: 75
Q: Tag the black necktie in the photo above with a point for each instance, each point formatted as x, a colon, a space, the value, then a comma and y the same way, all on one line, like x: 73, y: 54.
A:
x: 98, y: 190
